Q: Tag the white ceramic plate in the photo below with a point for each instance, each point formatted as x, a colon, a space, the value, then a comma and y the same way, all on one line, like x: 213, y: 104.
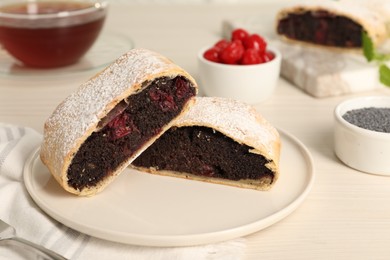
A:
x: 144, y: 209
x: 107, y: 48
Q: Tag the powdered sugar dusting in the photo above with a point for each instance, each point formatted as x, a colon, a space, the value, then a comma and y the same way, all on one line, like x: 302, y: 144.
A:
x: 235, y: 119
x: 76, y: 117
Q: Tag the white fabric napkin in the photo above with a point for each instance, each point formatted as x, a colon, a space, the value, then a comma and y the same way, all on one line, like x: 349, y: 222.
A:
x: 31, y: 223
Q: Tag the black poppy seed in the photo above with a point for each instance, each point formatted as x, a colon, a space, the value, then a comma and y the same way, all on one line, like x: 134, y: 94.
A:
x: 370, y: 118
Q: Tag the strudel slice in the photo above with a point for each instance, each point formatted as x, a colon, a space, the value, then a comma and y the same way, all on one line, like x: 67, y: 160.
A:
x: 219, y: 141
x: 99, y: 129
x: 337, y: 24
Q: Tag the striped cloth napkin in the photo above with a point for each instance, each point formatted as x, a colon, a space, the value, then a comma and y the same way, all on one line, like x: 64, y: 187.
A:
x: 20, y: 211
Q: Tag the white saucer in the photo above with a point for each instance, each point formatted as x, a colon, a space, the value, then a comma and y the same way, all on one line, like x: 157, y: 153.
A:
x: 144, y: 209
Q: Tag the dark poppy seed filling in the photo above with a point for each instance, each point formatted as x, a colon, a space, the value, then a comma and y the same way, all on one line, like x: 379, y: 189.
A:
x: 205, y: 152
x: 323, y: 28
x: 126, y: 128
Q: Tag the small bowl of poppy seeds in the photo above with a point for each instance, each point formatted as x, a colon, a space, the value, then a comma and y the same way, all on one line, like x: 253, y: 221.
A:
x: 362, y: 134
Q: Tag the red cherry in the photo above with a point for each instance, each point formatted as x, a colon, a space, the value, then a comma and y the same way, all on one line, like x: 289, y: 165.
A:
x: 255, y: 41
x: 239, y: 34
x: 232, y: 53
x: 121, y: 126
x: 163, y: 99
x: 212, y: 54
x: 251, y: 56
x: 221, y: 44
x: 270, y: 55
x: 264, y: 57
x: 182, y: 88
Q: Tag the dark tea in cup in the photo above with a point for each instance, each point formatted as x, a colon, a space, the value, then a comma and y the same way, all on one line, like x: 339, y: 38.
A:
x: 48, y: 34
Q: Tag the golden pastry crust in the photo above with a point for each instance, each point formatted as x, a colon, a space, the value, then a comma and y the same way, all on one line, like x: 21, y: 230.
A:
x: 74, y: 120
x: 243, y: 124
x: 370, y: 19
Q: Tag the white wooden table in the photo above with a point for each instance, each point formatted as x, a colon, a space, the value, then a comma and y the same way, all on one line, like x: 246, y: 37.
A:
x: 347, y: 213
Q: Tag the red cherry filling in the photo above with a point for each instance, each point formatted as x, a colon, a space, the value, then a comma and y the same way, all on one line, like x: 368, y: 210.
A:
x: 164, y: 101
x: 121, y: 126
x: 207, y: 170
x: 182, y: 87
x: 128, y: 126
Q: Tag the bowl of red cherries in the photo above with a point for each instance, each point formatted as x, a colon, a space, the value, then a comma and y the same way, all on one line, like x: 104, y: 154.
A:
x: 243, y: 67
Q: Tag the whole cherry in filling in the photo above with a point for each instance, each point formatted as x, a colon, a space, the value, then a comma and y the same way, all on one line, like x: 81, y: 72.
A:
x: 121, y: 126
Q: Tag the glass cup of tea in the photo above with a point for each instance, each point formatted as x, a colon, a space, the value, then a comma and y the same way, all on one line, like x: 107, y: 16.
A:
x: 50, y: 33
